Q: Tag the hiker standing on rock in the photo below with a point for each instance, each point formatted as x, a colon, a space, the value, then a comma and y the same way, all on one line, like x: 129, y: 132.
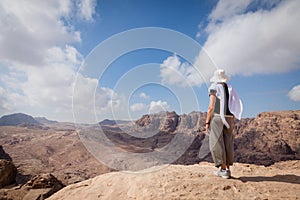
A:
x: 224, y: 106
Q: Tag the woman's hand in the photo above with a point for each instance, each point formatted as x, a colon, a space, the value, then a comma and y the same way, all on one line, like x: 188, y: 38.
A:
x: 207, y: 128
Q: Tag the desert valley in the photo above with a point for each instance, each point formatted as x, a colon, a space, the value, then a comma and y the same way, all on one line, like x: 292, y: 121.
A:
x: 40, y: 158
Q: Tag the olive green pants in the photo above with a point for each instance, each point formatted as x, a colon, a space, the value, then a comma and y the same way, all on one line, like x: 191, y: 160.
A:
x: 221, y: 141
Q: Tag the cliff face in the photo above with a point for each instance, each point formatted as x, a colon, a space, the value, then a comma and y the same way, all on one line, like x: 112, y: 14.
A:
x: 268, y: 138
x: 163, y: 121
x: 171, y: 122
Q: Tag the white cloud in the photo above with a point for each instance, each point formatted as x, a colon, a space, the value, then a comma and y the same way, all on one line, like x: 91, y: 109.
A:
x: 262, y: 41
x: 228, y: 8
x: 158, y: 106
x: 48, y: 88
x: 36, y: 51
x: 108, y: 101
x: 29, y: 28
x: 174, y: 72
x: 294, y: 93
x: 87, y: 9
x: 92, y: 103
x: 144, y: 95
x: 4, y: 105
x: 138, y: 107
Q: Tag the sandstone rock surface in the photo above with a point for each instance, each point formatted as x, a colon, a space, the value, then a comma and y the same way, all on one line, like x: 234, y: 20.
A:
x: 279, y: 181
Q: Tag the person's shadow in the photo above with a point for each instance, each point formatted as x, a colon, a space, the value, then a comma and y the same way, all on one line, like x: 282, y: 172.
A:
x: 288, y: 178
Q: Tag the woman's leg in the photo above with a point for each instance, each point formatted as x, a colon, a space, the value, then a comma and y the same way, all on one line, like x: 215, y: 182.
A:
x: 229, y: 143
x: 216, y: 142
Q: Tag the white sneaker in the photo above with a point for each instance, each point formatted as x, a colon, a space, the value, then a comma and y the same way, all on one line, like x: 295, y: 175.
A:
x: 229, y: 172
x: 222, y: 173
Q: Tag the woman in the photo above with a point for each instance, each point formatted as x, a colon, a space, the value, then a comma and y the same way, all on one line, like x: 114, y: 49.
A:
x: 224, y: 105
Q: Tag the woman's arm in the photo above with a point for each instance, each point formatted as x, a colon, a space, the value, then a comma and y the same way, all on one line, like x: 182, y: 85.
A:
x: 210, y: 111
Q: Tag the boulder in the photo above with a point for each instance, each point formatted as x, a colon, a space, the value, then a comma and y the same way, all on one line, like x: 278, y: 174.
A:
x: 42, y: 186
x: 8, y: 172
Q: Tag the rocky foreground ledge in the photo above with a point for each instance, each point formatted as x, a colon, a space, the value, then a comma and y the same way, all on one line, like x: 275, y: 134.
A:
x: 279, y: 181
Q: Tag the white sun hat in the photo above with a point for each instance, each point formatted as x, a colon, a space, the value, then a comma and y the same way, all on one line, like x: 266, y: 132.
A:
x: 219, y: 76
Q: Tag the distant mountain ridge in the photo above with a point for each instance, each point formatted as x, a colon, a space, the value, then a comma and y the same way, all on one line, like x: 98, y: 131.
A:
x: 18, y: 119
x: 44, y: 120
x: 109, y: 122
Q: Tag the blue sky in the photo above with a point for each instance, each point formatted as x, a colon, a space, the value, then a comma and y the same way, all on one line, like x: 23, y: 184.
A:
x: 52, y: 54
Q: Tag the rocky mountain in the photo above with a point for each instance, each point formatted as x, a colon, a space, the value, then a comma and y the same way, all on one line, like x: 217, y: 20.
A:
x: 279, y: 181
x: 163, y: 121
x: 17, y: 119
x: 171, y: 122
